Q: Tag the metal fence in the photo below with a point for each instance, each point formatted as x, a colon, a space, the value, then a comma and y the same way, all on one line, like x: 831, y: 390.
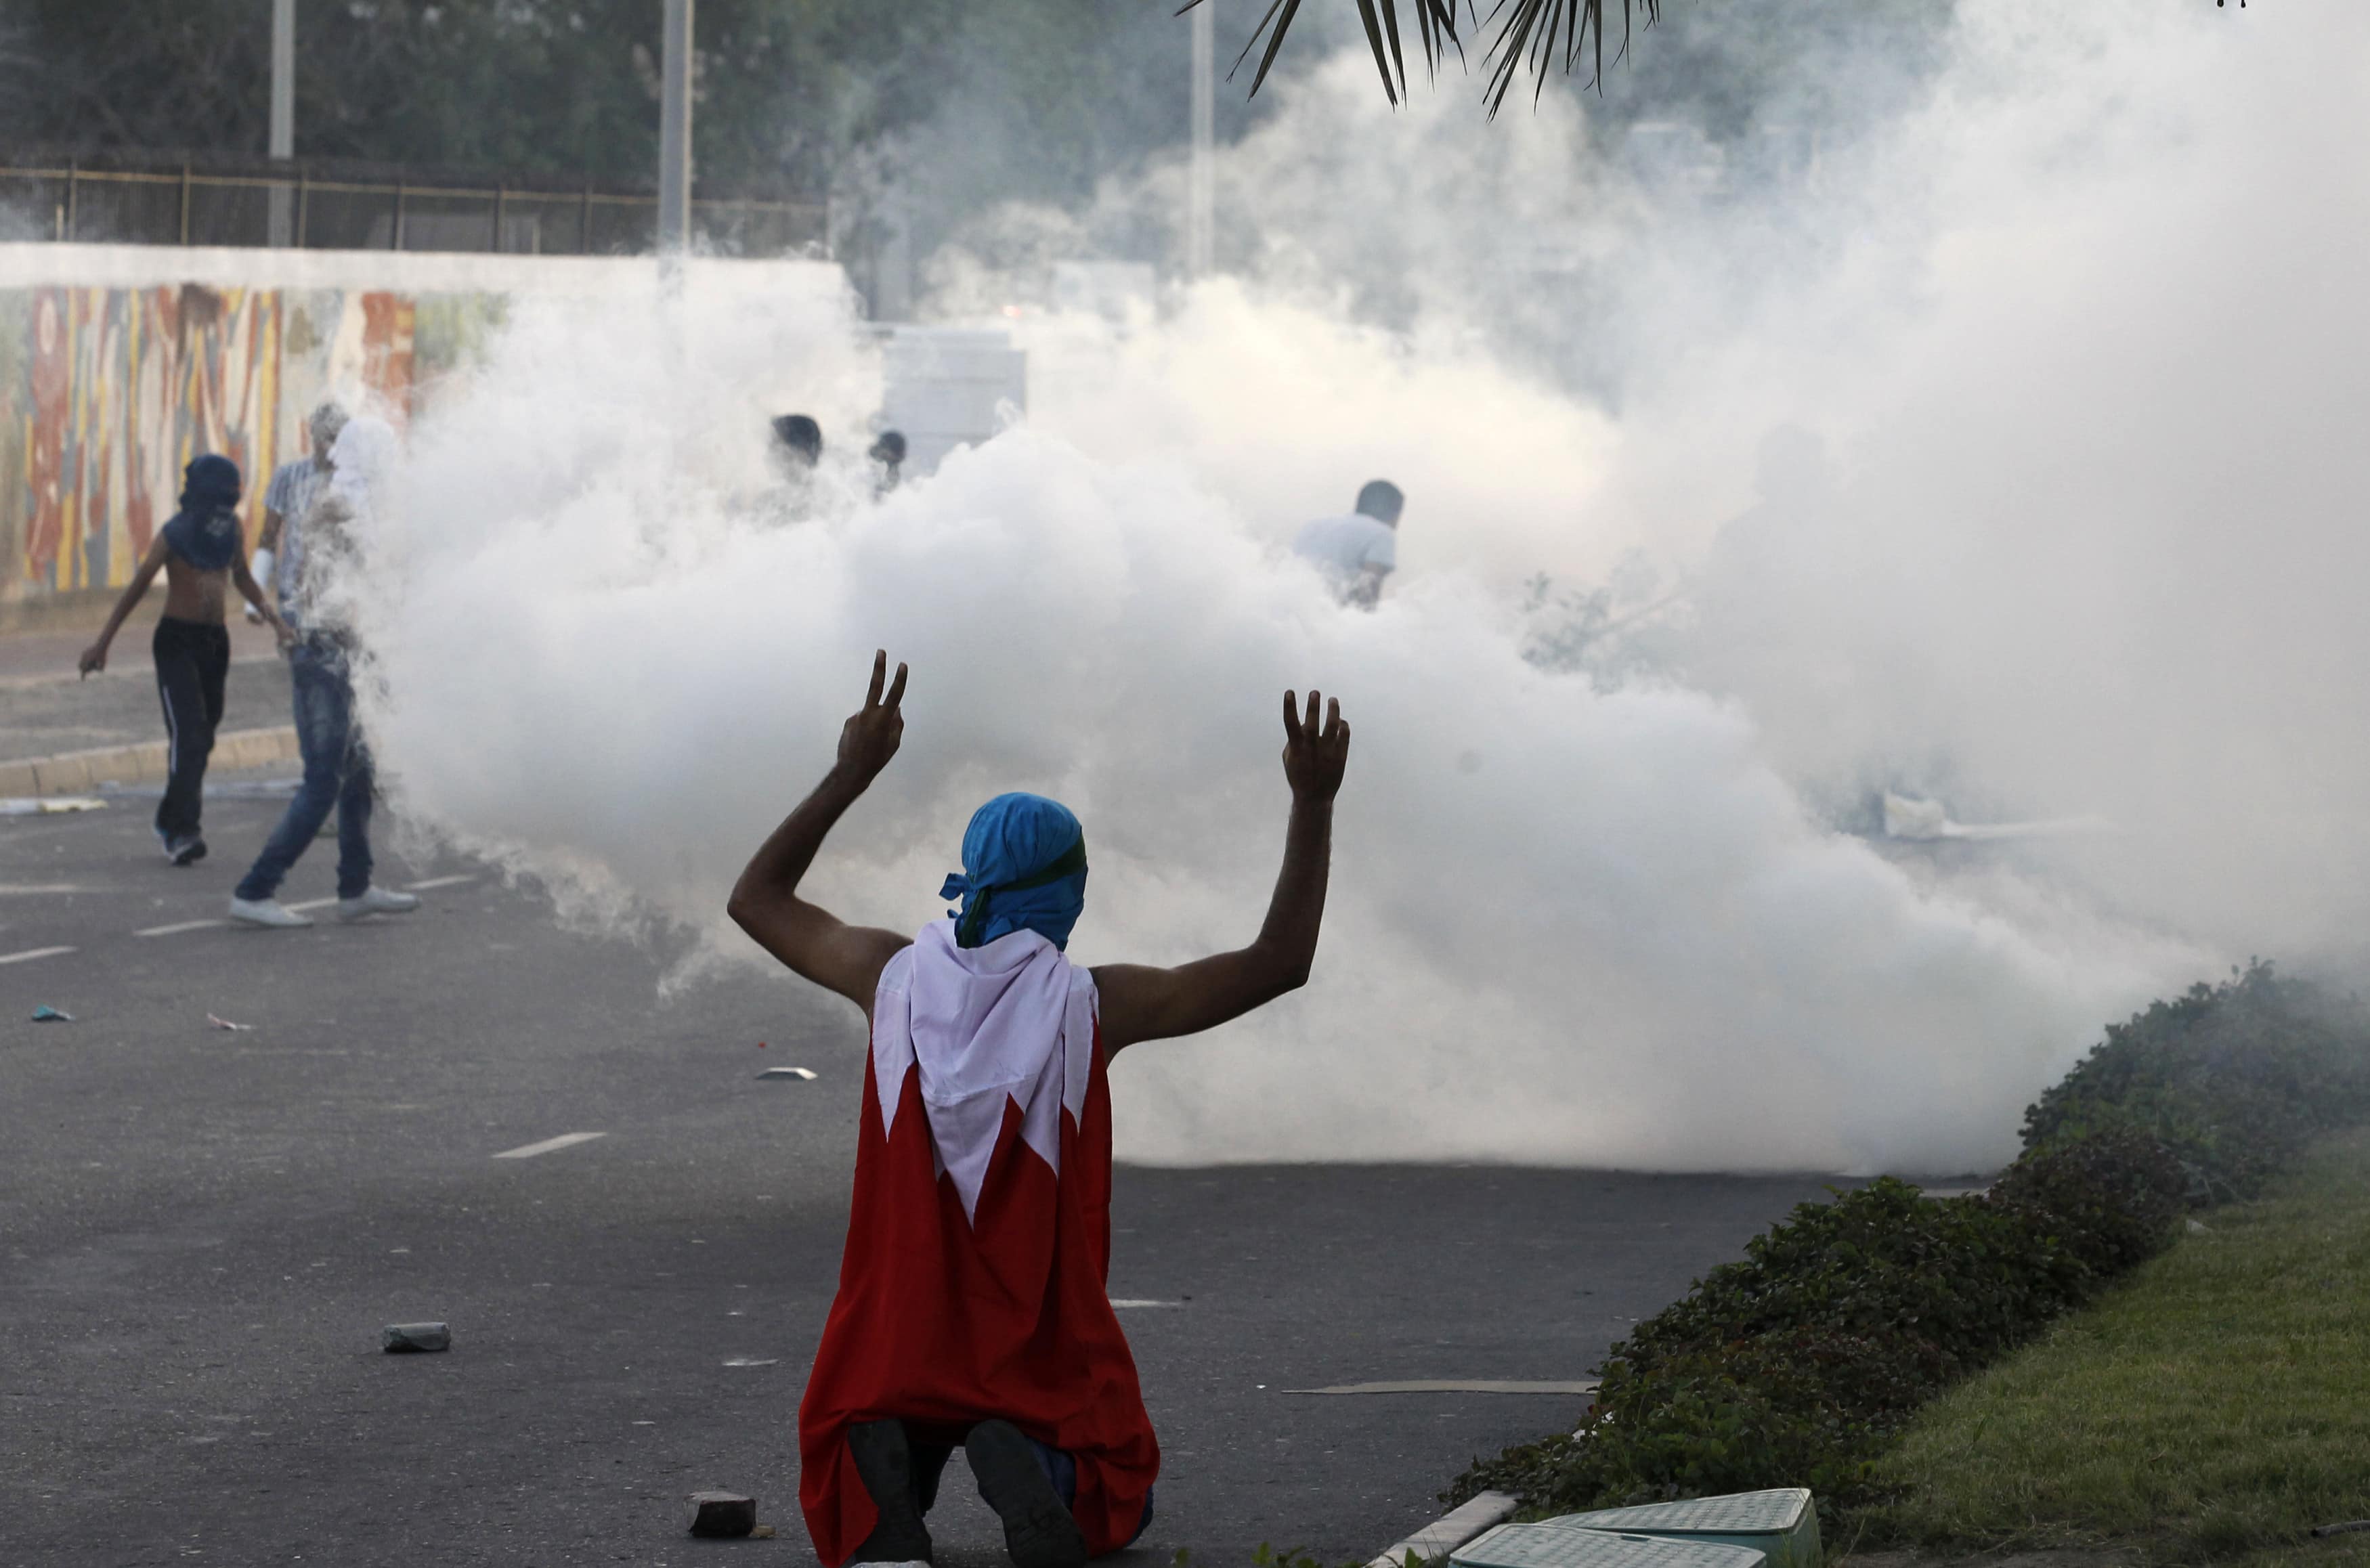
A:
x: 297, y: 204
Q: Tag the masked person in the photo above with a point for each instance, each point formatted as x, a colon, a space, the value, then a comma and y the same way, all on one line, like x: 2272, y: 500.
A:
x: 280, y: 544
x: 337, y: 773
x: 972, y: 1305
x: 199, y: 550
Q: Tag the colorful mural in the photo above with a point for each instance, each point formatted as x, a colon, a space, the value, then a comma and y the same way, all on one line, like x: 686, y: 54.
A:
x: 107, y: 392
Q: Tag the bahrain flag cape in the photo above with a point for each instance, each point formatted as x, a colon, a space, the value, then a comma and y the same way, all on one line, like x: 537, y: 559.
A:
x: 973, y: 1283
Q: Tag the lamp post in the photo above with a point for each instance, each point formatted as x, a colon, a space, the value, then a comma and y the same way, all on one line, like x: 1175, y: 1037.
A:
x: 283, y: 111
x: 1200, y: 177
x: 675, y: 131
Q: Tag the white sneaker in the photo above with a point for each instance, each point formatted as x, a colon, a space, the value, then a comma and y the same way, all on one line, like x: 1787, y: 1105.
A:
x: 377, y: 901
x: 267, y: 912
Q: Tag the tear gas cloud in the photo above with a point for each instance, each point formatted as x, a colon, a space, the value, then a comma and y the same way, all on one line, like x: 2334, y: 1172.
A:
x: 2076, y: 329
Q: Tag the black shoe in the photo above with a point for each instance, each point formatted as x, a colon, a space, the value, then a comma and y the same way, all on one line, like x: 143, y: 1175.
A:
x: 886, y: 1466
x: 1039, y: 1530
x: 187, y: 852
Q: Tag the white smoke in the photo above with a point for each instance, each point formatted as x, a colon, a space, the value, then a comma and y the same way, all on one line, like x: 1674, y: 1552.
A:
x: 2082, y: 334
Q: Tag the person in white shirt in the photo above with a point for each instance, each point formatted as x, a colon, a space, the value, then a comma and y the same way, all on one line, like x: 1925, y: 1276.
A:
x: 1357, y: 552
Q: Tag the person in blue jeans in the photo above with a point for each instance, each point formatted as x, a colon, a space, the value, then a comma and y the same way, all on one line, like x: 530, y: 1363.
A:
x: 337, y: 761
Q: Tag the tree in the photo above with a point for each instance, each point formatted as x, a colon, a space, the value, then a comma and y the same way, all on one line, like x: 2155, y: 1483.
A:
x: 1530, y: 34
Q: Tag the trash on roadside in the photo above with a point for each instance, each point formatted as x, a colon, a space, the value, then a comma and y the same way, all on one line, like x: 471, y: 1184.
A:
x: 800, y: 1073
x: 46, y: 1015
x: 2350, y: 1526
x: 398, y: 1338
x: 761, y: 1533
x: 226, y: 1024
x: 752, y: 1361
x: 48, y: 805
x: 722, y: 1515
x: 2198, y: 1227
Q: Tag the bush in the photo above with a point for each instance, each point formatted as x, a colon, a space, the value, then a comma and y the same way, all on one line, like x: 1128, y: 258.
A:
x: 1796, y: 1364
x: 2233, y: 1079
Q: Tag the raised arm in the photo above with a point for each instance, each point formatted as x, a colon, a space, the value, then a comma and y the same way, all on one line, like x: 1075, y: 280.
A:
x: 1141, y: 1003
x: 94, y: 657
x: 766, y: 903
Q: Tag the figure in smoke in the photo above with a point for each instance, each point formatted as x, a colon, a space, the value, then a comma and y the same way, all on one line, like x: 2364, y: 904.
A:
x: 889, y: 451
x: 280, y: 544
x: 336, y: 762
x: 1357, y: 552
x: 798, y: 442
x: 199, y: 550
x: 973, y: 1304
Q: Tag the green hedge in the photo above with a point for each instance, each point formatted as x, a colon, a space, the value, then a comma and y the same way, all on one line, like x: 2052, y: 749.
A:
x: 1795, y: 1366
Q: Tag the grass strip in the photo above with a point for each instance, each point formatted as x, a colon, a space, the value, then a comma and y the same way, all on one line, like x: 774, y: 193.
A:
x: 2213, y: 1404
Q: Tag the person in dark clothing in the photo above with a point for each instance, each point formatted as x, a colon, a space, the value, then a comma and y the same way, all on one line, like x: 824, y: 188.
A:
x: 889, y: 451
x: 799, y: 439
x: 202, y: 553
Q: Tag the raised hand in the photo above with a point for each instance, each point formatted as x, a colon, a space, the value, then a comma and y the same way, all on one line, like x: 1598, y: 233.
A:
x: 1314, y: 757
x: 870, y: 736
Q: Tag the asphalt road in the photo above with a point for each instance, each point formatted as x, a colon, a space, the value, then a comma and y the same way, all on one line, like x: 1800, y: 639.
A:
x: 202, y: 1232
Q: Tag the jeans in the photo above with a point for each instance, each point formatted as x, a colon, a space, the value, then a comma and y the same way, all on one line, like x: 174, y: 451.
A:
x: 929, y: 1463
x: 193, y: 662
x: 337, y: 773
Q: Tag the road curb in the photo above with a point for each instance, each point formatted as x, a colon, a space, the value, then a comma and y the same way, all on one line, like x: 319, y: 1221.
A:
x: 1451, y: 1530
x: 77, y: 773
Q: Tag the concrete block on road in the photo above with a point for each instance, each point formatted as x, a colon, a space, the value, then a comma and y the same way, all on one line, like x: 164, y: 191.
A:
x: 398, y: 1338
x: 18, y: 779
x: 722, y: 1515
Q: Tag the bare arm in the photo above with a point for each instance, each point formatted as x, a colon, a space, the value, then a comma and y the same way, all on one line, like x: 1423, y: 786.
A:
x: 94, y: 657
x: 1141, y: 1003
x: 267, y: 541
x: 256, y: 604
x: 810, y: 939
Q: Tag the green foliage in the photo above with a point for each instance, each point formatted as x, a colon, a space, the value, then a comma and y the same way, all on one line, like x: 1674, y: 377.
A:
x: 1799, y: 1365
x: 2233, y: 1079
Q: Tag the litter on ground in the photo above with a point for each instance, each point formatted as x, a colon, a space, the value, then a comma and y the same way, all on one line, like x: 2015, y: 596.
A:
x: 800, y: 1073
x: 52, y: 1015
x: 226, y: 1024
x: 48, y: 805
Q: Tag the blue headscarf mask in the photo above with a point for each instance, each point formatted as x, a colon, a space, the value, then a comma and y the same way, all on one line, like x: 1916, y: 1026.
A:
x: 204, y: 532
x: 1024, y: 869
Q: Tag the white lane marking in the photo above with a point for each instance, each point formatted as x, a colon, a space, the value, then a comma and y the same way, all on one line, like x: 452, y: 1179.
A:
x: 1126, y: 1303
x: 1455, y: 1386
x: 440, y: 882
x: 747, y: 1361
x: 176, y: 930
x: 313, y: 904
x: 565, y: 1140
x: 29, y: 890
x: 30, y: 954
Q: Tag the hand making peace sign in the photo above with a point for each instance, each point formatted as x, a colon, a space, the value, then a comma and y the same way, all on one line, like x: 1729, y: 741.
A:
x: 870, y: 736
x: 1314, y: 758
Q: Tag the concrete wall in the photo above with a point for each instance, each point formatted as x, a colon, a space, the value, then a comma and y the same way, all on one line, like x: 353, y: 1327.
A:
x: 120, y: 363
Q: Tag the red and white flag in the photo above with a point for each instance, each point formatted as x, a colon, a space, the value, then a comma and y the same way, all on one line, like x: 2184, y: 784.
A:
x: 973, y: 1285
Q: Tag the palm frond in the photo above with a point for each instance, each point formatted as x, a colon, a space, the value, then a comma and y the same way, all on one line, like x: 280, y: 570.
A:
x: 1534, y: 35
